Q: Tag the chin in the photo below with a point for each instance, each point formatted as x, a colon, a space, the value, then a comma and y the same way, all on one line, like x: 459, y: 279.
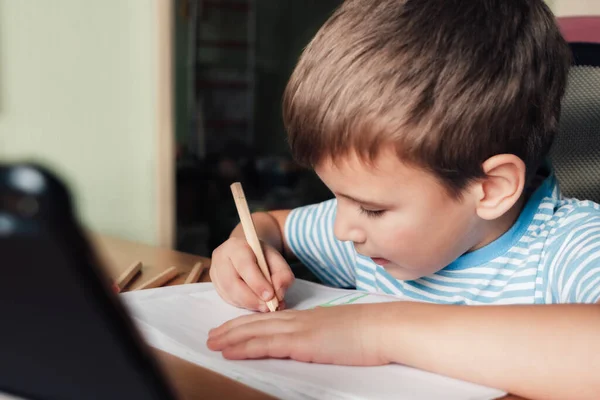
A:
x: 402, y: 273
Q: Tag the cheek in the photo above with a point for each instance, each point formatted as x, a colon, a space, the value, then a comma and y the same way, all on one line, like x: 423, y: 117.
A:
x: 402, y: 234
x: 426, y: 236
x: 449, y: 230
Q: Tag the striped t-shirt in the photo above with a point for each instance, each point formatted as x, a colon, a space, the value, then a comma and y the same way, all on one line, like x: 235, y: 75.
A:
x: 550, y: 255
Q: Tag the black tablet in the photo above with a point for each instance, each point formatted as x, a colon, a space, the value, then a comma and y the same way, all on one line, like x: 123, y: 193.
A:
x: 63, y: 333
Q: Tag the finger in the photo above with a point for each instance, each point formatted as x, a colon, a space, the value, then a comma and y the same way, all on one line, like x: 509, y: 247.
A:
x: 281, y: 273
x: 216, y: 281
x: 247, y: 267
x: 237, y: 290
x: 245, y: 332
x: 272, y: 346
x: 248, y: 319
x: 244, y: 297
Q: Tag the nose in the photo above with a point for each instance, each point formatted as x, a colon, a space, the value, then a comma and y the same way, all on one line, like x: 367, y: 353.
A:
x: 346, y: 230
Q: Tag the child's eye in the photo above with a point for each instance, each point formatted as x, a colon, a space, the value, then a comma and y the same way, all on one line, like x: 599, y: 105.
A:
x: 371, y: 213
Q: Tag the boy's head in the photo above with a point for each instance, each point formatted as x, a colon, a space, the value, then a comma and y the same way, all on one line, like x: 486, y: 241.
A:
x: 457, y: 90
x: 447, y: 83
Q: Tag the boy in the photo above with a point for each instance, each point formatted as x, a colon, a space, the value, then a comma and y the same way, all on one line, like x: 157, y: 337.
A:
x: 430, y: 121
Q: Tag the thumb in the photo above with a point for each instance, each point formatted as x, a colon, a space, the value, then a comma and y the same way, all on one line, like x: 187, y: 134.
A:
x: 282, y: 276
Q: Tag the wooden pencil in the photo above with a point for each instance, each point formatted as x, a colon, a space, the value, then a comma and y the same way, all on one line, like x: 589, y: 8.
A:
x: 251, y: 237
x: 195, y: 273
x: 160, y: 279
x: 127, y: 275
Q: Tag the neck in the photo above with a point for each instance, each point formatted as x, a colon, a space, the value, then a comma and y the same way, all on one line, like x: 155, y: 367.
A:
x: 501, y: 225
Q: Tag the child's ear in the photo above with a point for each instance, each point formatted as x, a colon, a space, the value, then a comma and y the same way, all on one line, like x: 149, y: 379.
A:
x: 502, y: 186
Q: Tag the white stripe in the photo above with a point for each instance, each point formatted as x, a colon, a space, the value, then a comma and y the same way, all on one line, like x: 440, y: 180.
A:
x: 593, y: 289
x: 455, y: 299
x: 520, y: 250
x: 332, y: 251
x: 589, y: 248
x: 480, y: 292
x: 387, y: 283
x: 304, y: 218
x: 548, y: 294
x: 494, y: 282
x: 572, y: 250
x: 517, y: 261
x: 515, y: 300
x: 498, y: 270
x: 534, y: 227
x: 430, y: 296
x: 580, y: 267
x: 312, y: 219
x: 565, y: 248
x: 536, y: 246
x: 364, y: 274
x: 573, y: 218
x: 527, y: 239
x: 367, y: 264
x: 339, y: 268
x: 541, y: 230
x: 365, y: 286
x: 579, y: 295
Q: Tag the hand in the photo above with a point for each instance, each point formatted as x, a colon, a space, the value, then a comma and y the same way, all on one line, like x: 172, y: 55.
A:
x: 240, y: 282
x: 345, y: 335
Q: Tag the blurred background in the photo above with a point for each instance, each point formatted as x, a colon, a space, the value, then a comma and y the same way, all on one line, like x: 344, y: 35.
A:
x: 150, y: 109
x: 232, y: 62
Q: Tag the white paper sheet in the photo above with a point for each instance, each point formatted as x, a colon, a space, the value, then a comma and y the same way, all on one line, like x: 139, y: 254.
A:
x: 177, y: 320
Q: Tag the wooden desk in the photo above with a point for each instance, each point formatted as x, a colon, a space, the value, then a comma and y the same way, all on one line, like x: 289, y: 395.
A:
x: 118, y: 254
x: 189, y: 380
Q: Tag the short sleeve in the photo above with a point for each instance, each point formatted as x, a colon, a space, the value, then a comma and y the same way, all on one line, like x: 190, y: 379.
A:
x: 309, y: 234
x: 572, y: 259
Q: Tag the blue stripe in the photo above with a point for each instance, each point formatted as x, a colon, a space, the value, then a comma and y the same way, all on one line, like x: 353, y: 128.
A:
x: 592, y: 297
x: 309, y: 260
x: 473, y: 297
x: 404, y: 288
x: 365, y: 279
x: 298, y: 248
x: 361, y: 279
x: 319, y: 224
x: 342, y: 249
x: 420, y: 297
x: 482, y: 275
x: 334, y: 279
x: 385, y: 289
x: 334, y: 243
x: 586, y: 286
x: 485, y: 286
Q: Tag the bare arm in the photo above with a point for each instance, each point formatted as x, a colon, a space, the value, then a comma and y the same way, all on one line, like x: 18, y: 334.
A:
x: 270, y: 229
x: 540, y: 352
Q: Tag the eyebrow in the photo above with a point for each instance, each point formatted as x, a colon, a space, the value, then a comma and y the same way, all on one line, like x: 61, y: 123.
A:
x: 364, y: 202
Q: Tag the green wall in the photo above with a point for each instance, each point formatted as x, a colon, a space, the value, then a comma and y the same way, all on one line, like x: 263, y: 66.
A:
x: 77, y: 92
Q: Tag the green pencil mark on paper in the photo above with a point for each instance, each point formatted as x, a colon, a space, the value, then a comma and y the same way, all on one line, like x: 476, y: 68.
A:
x: 340, y: 300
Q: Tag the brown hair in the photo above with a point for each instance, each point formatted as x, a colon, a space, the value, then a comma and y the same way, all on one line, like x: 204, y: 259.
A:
x: 447, y: 83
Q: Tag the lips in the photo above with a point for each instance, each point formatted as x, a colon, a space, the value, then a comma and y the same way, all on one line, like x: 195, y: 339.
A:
x: 380, y: 261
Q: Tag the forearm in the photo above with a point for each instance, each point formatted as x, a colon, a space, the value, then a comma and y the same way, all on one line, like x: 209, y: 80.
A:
x: 549, y: 351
